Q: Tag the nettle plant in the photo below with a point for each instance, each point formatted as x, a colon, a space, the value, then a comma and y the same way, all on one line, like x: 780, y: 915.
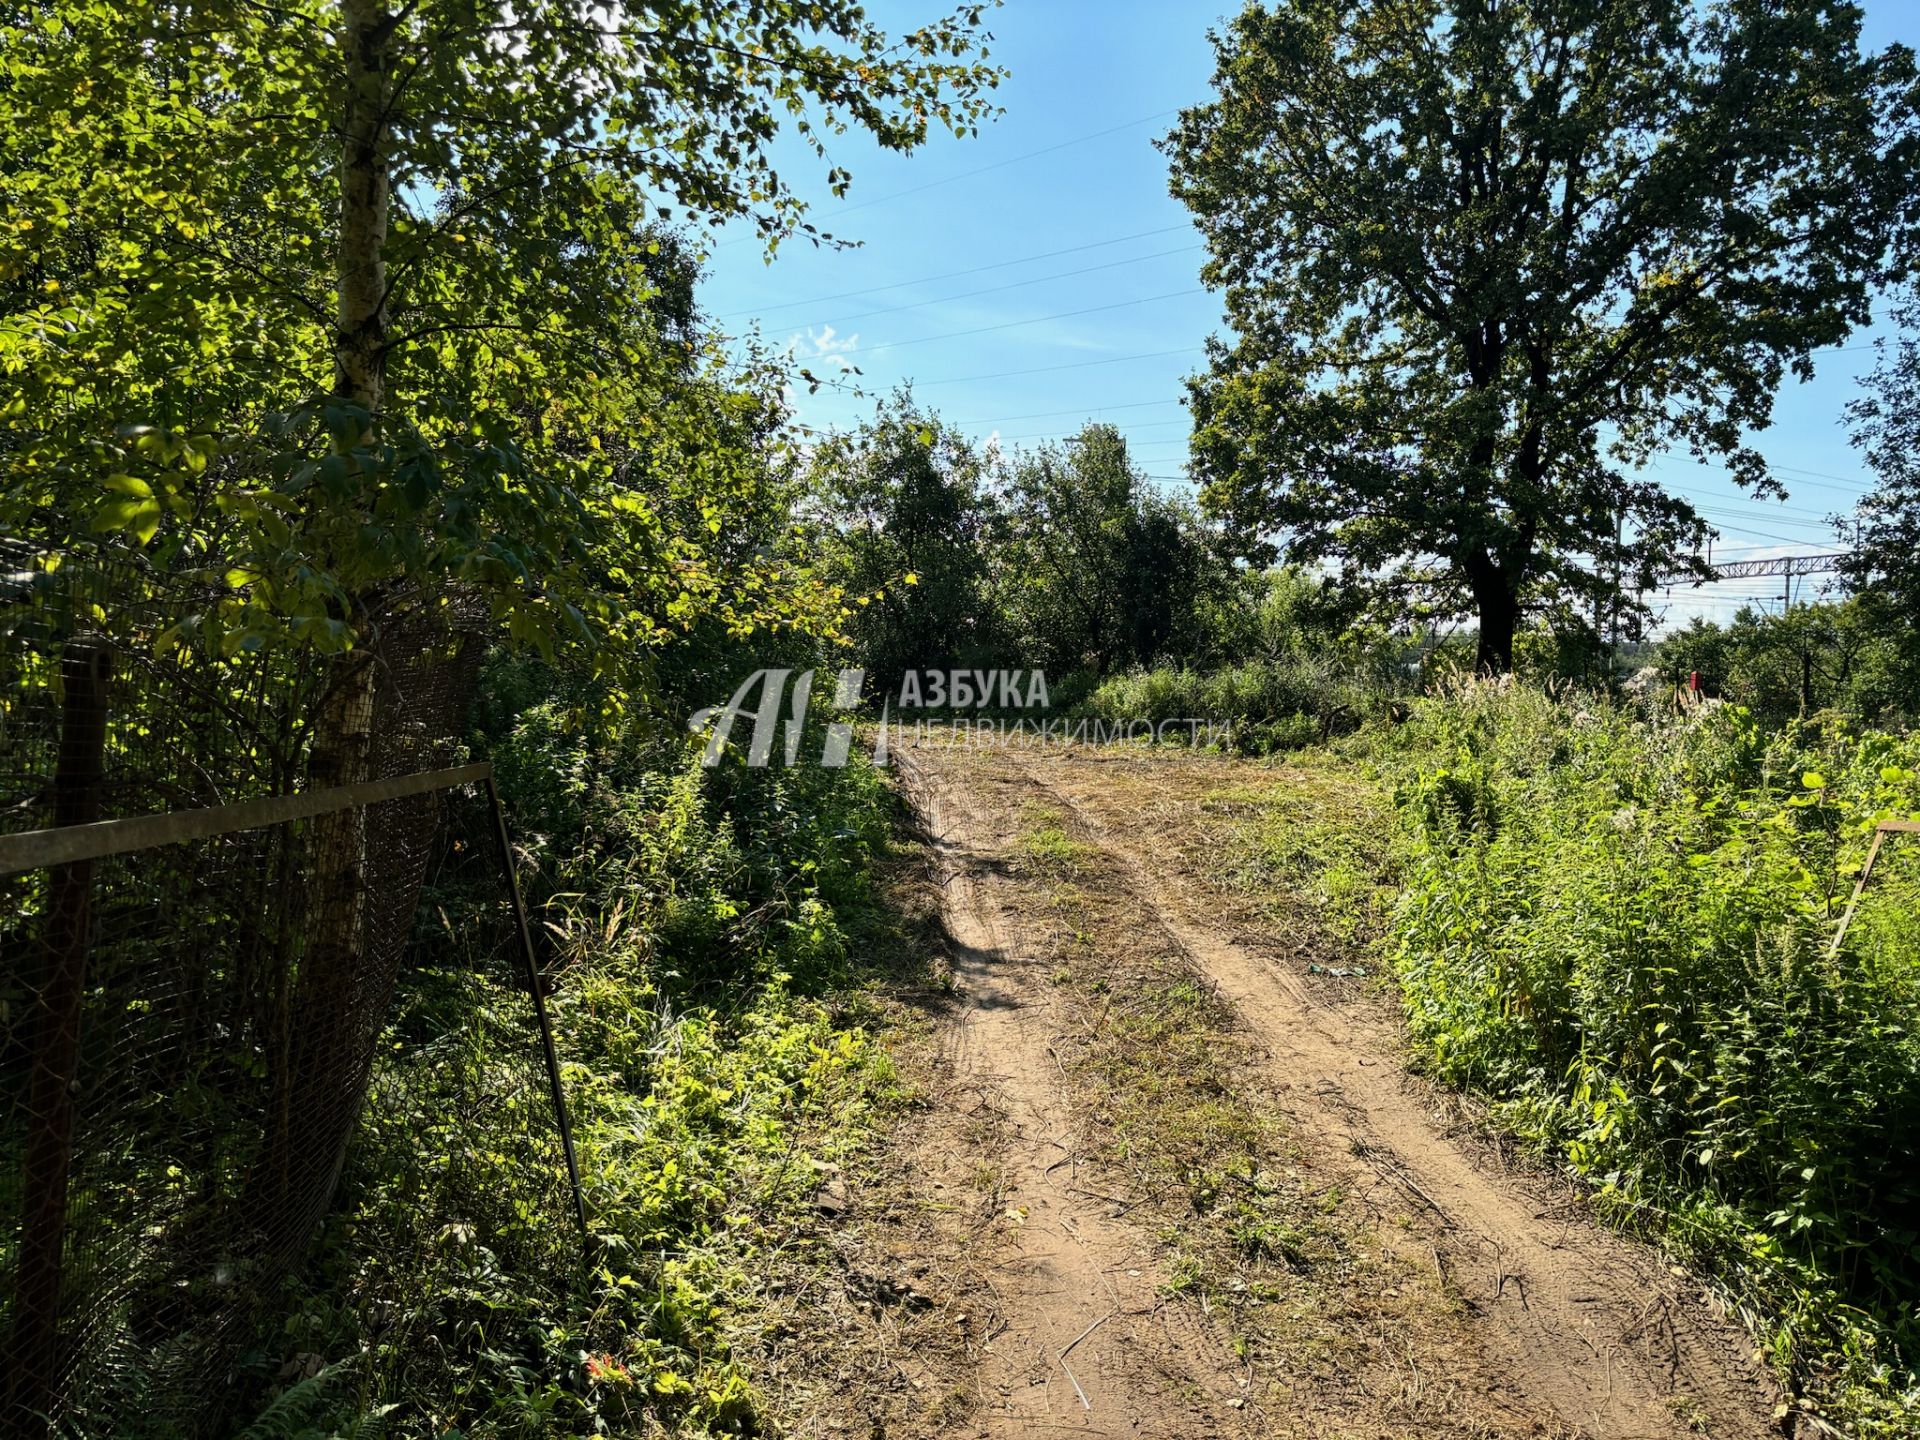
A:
x: 1621, y: 930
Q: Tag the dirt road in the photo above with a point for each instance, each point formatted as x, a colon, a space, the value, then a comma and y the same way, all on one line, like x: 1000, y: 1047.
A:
x: 1243, y: 1218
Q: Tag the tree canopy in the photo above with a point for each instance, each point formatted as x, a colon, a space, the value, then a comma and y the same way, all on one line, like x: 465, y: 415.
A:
x: 1483, y: 262
x: 904, y: 514
x: 318, y: 295
x: 1884, y: 567
x: 1097, y: 570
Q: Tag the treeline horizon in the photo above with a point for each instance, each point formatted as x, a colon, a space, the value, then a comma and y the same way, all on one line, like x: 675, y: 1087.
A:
x: 1067, y: 558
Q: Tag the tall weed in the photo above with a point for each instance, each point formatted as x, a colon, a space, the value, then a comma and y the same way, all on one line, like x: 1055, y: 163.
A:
x: 1618, y: 927
x: 702, y: 926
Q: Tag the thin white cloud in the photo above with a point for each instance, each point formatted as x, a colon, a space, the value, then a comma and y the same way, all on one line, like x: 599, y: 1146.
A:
x: 823, y: 343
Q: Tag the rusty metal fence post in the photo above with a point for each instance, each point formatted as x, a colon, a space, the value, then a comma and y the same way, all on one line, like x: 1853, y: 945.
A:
x: 33, y: 1350
x: 537, y: 990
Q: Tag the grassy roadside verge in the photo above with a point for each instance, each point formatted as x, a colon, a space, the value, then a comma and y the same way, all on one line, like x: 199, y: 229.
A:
x: 725, y: 999
x: 1614, y: 931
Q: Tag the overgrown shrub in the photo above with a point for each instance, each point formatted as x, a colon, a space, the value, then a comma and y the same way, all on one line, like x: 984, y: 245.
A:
x: 1619, y: 929
x: 1271, y: 705
x: 700, y: 923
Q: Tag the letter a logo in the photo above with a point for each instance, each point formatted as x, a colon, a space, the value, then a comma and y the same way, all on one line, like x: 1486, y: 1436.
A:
x: 765, y: 719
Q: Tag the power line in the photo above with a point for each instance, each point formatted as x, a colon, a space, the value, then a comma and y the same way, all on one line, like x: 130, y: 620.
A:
x: 996, y: 289
x: 1780, y: 517
x: 951, y: 274
x: 980, y: 169
x: 1821, y: 474
x: 1034, y: 320
x: 1094, y: 420
x: 1715, y: 515
x: 1762, y: 510
x: 1737, y: 550
x: 1093, y: 413
x: 1010, y: 160
x: 1765, y: 510
x: 1760, y: 534
x: 1839, y: 484
x: 1845, y: 485
x: 1049, y: 369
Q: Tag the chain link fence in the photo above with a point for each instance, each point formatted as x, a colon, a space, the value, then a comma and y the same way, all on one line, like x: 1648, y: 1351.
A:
x: 211, y: 872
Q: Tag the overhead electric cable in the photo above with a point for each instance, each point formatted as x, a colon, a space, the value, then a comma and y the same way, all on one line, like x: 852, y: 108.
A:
x: 1094, y: 412
x: 1032, y: 320
x: 950, y: 274
x: 1049, y: 369
x: 1002, y: 164
x: 838, y: 209
x: 991, y: 289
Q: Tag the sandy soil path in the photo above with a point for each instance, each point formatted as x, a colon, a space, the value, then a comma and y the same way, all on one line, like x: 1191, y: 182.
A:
x: 1571, y: 1329
x: 1085, y: 1346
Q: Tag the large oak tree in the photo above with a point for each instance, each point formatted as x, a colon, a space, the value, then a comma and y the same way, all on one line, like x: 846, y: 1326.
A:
x: 1484, y: 259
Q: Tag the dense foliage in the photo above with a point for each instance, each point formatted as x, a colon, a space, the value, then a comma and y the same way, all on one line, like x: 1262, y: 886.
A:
x: 1094, y: 569
x: 1856, y: 656
x: 333, y: 320
x: 1062, y: 558
x: 1269, y: 658
x: 696, y: 918
x: 905, y: 519
x: 1619, y: 928
x: 314, y: 298
x: 1482, y: 262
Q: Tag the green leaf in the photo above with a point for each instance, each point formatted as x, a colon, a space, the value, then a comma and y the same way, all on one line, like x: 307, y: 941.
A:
x: 138, y: 517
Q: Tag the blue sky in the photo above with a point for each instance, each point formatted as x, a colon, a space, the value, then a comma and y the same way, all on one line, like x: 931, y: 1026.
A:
x: 1039, y: 275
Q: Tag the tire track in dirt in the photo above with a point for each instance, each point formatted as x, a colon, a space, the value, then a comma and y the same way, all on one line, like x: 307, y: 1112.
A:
x: 1585, y: 1325
x: 1082, y: 1343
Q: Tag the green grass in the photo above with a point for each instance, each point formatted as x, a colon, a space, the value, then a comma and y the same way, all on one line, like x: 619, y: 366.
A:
x: 1271, y: 705
x: 1616, y: 928
x: 1046, y: 845
x: 1317, y: 832
x: 712, y: 931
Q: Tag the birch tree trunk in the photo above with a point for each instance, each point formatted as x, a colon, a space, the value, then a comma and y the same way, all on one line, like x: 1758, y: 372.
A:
x: 366, y: 194
x: 334, y: 1014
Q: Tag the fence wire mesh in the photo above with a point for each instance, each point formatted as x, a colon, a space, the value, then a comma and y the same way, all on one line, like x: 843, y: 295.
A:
x: 189, y: 1032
